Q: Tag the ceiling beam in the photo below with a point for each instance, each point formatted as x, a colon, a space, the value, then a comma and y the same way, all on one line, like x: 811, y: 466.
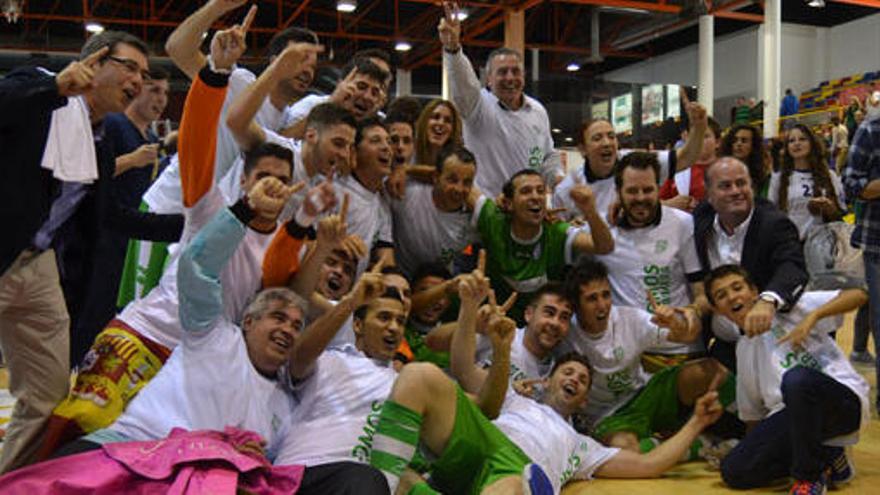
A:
x: 875, y: 4
x: 299, y: 10
x: 739, y: 16
x: 629, y: 4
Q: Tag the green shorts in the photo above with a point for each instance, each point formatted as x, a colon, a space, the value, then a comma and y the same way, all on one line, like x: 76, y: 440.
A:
x: 655, y: 408
x: 477, y: 453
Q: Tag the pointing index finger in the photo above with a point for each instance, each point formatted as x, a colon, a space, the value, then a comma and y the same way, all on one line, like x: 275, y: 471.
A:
x: 343, y: 212
x: 651, y: 301
x: 94, y: 57
x: 509, y: 303
x: 481, y: 261
x: 248, y: 19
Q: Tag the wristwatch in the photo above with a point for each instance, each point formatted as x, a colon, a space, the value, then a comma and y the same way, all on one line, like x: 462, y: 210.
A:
x: 770, y: 299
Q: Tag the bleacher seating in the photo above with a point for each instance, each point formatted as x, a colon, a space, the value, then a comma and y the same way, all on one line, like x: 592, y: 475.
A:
x: 838, y: 91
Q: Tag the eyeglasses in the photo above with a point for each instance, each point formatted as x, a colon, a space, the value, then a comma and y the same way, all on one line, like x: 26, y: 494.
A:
x: 131, y: 66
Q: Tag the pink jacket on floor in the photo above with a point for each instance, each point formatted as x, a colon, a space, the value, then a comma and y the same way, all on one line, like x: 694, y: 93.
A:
x: 185, y: 463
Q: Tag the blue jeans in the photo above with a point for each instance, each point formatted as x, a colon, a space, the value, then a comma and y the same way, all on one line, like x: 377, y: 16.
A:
x: 789, y: 443
x: 872, y: 278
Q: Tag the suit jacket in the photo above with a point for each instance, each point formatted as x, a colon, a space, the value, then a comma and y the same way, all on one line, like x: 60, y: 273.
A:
x: 772, y: 251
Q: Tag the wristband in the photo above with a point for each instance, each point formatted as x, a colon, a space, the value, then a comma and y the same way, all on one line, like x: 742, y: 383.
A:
x: 216, y: 69
x: 302, y: 218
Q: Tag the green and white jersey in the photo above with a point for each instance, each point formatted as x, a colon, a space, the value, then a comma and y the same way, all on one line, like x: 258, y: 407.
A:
x: 661, y: 258
x: 615, y: 356
x: 761, y: 362
x: 520, y: 265
x: 337, y: 409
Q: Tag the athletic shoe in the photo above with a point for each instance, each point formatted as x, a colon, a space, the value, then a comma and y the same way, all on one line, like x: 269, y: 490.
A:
x: 862, y: 357
x: 842, y: 470
x: 536, y: 481
x: 802, y: 487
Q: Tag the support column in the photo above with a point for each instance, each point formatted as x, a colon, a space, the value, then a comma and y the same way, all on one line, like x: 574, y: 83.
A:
x: 771, y: 43
x: 706, y: 80
x: 536, y: 65
x: 444, y: 82
x: 515, y: 30
x: 404, y: 82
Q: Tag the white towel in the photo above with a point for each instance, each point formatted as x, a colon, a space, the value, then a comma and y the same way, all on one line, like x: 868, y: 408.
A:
x: 70, y: 147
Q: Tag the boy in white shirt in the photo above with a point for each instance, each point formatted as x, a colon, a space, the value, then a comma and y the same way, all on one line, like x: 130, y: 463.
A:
x: 627, y: 405
x: 530, y: 448
x: 795, y: 387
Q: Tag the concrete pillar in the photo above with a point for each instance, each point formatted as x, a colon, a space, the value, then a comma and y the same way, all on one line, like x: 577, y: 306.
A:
x: 536, y: 65
x: 823, y: 58
x: 444, y: 82
x: 771, y: 43
x: 404, y: 82
x: 706, y: 79
x: 515, y: 30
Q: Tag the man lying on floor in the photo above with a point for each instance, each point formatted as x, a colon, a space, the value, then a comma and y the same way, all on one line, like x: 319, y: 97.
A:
x: 530, y: 447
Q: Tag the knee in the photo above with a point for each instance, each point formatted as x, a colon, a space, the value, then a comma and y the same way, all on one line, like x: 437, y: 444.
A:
x: 735, y: 473
x: 623, y: 440
x: 796, y: 383
x: 419, y: 376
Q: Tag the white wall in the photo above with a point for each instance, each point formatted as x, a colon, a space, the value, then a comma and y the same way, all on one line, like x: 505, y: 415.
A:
x: 810, y: 55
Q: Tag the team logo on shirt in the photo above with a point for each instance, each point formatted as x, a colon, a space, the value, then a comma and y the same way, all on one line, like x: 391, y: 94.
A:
x: 618, y: 353
x: 799, y: 357
x: 661, y: 246
x: 361, y: 451
x: 536, y: 157
x: 619, y: 383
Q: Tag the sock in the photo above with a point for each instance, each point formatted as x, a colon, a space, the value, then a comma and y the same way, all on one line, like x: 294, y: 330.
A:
x: 648, y: 444
x: 395, y: 441
x: 727, y: 391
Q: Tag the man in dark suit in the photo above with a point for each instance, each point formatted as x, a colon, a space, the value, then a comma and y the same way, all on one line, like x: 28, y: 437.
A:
x: 732, y: 227
x: 56, y: 212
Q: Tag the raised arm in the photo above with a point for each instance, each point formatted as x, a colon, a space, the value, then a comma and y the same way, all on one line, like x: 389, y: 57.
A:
x: 471, y: 292
x: 184, y: 43
x: 464, y: 85
x: 198, y: 271
x: 848, y: 300
x: 598, y: 240
x: 699, y: 122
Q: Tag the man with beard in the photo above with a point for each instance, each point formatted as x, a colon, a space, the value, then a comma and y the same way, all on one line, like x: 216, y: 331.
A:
x: 507, y: 130
x: 653, y: 252
x: 432, y: 223
x: 599, y: 147
x: 525, y: 251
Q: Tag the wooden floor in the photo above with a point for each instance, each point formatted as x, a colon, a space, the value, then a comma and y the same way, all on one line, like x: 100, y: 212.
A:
x: 694, y: 478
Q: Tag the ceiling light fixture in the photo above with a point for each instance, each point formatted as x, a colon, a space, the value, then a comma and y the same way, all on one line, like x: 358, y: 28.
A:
x: 556, y: 130
x: 94, y: 27
x: 573, y: 67
x: 346, y: 5
x: 402, y: 46
x: 461, y: 15
x: 816, y: 3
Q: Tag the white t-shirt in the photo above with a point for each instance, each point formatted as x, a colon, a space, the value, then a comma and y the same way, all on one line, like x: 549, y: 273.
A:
x: 209, y: 383
x: 550, y: 441
x: 337, y: 409
x: 155, y: 315
x: 615, y: 356
x: 504, y: 141
x: 164, y: 195
x: 523, y: 364
x: 604, y: 190
x: 369, y: 215
x: 425, y: 234
x: 655, y: 258
x: 761, y: 362
x: 800, y: 192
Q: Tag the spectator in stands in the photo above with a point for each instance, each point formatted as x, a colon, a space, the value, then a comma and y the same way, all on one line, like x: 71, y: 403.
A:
x: 862, y: 180
x: 744, y: 143
x: 137, y: 158
x: 803, y: 399
x: 732, y: 227
x: 805, y: 188
x: 789, y: 104
x: 839, y: 143
x: 741, y: 112
x: 59, y: 166
x: 506, y: 129
x: 851, y: 115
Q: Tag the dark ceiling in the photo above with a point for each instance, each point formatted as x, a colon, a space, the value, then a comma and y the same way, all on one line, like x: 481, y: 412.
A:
x: 559, y: 28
